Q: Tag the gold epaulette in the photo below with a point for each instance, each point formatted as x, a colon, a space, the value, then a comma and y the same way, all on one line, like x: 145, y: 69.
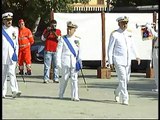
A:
x: 63, y: 35
x: 113, y: 31
x: 129, y: 30
x: 15, y: 27
x: 77, y: 37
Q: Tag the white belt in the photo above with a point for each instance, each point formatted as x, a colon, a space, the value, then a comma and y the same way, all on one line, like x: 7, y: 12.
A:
x: 24, y: 45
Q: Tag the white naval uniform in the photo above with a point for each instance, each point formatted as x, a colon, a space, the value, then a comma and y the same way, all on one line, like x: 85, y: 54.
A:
x: 8, y: 65
x: 120, y: 52
x: 155, y: 55
x: 66, y: 61
x: 155, y: 61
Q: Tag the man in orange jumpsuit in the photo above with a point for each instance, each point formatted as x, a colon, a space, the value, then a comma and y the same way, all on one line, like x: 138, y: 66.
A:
x: 25, y: 41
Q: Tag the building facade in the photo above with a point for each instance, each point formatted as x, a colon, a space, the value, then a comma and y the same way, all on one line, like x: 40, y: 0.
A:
x: 93, y: 6
x: 97, y: 6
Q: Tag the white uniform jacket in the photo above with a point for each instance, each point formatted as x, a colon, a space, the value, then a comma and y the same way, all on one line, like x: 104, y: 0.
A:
x: 7, y: 48
x: 156, y: 46
x: 155, y: 49
x: 64, y: 56
x: 121, y: 47
x: 155, y: 39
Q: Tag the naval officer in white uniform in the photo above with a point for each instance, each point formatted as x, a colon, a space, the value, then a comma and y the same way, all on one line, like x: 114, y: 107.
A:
x: 120, y: 51
x: 155, y: 55
x: 8, y: 60
x: 67, y: 61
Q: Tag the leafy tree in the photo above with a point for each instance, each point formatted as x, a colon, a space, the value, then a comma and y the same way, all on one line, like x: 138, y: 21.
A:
x: 29, y: 10
x: 127, y: 3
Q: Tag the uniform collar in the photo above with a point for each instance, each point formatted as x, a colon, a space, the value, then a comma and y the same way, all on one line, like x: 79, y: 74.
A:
x: 120, y: 30
x: 5, y: 27
x: 70, y: 36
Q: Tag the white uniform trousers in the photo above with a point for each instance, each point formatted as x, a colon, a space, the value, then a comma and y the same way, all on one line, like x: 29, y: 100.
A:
x: 9, y: 71
x: 155, y: 65
x: 66, y: 73
x: 123, y: 74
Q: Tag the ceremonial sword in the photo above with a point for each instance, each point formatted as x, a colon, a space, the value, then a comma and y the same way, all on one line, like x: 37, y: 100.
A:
x: 84, y: 80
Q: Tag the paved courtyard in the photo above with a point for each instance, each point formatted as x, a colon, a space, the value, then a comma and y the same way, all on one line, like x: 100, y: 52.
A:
x: 40, y: 101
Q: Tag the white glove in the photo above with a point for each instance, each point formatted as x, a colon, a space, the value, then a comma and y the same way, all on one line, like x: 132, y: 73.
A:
x: 150, y: 29
x: 59, y: 65
x: 81, y: 63
x: 149, y: 26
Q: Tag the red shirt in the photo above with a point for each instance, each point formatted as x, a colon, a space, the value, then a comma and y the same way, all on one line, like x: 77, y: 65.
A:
x: 51, y: 41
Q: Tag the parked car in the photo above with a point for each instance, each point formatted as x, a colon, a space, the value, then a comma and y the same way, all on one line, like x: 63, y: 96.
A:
x: 37, y: 52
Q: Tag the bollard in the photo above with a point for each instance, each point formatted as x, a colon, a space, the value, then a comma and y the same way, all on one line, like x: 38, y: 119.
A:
x: 104, y: 73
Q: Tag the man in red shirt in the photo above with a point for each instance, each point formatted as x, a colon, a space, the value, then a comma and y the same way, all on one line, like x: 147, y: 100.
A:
x: 50, y: 36
x: 25, y: 40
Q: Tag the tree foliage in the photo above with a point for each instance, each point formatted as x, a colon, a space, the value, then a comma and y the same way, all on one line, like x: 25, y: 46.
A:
x: 127, y: 3
x: 29, y: 10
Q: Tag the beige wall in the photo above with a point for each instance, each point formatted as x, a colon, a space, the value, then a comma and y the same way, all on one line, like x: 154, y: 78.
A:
x: 93, y: 2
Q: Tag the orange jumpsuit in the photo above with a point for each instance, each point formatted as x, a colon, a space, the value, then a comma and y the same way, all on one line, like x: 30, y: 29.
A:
x: 25, y: 41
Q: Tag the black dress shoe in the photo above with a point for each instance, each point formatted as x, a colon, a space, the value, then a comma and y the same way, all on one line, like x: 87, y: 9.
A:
x: 16, y: 94
x: 55, y: 81
x: 28, y: 73
x: 21, y: 72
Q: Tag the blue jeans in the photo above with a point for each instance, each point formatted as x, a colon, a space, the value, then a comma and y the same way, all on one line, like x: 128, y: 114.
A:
x: 48, y: 58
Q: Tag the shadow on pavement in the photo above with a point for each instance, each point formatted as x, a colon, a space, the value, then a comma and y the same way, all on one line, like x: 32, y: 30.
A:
x: 64, y: 99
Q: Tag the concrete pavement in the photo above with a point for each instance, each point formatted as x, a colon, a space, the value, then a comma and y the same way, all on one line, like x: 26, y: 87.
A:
x: 40, y: 101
